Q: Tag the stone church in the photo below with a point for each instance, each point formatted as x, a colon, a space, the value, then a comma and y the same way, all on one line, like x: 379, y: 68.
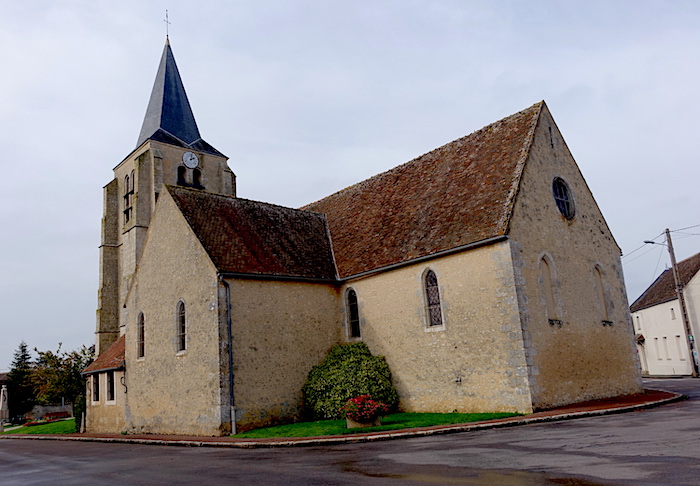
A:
x: 483, y: 271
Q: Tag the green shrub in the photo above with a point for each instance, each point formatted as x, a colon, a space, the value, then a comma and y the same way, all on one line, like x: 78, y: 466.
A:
x: 348, y: 371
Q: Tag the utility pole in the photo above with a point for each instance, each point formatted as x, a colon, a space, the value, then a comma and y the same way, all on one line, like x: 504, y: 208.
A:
x: 689, y: 338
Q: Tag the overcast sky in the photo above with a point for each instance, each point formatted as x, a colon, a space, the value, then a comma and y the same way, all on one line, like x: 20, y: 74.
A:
x: 307, y: 97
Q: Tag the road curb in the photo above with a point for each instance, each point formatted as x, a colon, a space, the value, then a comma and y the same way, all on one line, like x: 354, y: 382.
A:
x: 359, y: 438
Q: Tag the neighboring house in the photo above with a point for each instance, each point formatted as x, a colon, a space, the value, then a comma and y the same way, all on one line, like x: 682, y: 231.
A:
x: 658, y: 322
x: 483, y: 271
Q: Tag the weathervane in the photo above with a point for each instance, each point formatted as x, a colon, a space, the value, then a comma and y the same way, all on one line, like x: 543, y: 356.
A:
x: 167, y: 23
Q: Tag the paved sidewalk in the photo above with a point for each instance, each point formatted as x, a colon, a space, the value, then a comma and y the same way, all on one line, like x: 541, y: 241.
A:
x: 650, y: 398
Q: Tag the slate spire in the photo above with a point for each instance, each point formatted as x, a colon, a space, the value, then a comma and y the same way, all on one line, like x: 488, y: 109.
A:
x: 169, y: 117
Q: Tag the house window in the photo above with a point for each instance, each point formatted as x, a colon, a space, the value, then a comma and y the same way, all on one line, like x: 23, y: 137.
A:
x: 547, y: 279
x: 673, y: 314
x: 110, y: 386
x: 353, y: 314
x: 639, y: 324
x: 563, y: 198
x: 140, y: 337
x: 656, y: 348
x: 96, y: 387
x: 181, y: 327
x: 679, y: 348
x: 432, y: 295
x: 668, y: 355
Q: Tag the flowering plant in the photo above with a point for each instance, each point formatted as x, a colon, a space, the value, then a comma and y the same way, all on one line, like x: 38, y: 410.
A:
x: 363, y: 409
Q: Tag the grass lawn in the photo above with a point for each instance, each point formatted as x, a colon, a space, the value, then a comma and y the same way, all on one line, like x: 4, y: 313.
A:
x: 60, y: 427
x: 390, y: 422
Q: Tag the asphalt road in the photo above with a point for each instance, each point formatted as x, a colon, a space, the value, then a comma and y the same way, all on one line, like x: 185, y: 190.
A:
x: 660, y: 446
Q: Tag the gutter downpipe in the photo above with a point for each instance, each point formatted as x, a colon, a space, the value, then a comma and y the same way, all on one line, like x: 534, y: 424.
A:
x: 232, y: 403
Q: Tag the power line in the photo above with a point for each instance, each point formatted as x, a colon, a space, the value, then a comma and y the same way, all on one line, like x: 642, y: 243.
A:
x: 688, y: 227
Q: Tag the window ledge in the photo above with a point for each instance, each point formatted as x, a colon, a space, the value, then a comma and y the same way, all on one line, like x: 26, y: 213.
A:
x: 434, y: 328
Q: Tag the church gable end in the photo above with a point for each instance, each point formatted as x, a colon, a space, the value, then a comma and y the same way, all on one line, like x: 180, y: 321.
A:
x: 570, y: 287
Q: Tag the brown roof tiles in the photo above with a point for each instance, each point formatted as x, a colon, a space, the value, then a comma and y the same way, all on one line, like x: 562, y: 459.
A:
x: 456, y: 195
x: 255, y: 238
x: 110, y: 359
x: 664, y: 288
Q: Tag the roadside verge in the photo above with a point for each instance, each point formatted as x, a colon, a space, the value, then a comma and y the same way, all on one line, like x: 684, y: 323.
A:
x: 650, y: 398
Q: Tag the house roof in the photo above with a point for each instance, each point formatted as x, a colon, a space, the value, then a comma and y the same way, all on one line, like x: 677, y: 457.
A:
x: 169, y: 117
x: 664, y: 288
x: 255, y: 238
x: 454, y: 196
x: 110, y: 359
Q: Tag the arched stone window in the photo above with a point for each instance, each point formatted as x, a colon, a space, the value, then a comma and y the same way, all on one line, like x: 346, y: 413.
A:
x: 353, y: 313
x: 182, y: 176
x: 181, y: 326
x: 197, y: 179
x: 547, y: 280
x: 140, y: 336
x: 128, y: 193
x: 432, y: 298
x: 602, y: 297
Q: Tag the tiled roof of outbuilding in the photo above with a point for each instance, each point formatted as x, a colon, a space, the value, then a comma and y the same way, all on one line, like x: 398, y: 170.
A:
x: 456, y: 195
x: 664, y: 288
x: 110, y: 359
x: 255, y: 238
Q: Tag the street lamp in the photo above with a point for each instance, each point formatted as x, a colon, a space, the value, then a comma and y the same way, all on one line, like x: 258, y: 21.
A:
x: 690, y: 340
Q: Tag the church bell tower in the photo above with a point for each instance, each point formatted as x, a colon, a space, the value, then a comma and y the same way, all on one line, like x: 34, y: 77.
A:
x: 169, y: 151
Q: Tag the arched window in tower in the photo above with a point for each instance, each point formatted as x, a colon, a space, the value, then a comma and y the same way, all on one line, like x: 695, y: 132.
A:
x: 128, y: 192
x: 432, y: 298
x: 602, y: 297
x: 181, y: 176
x: 181, y: 327
x: 547, y: 280
x: 197, y: 179
x: 353, y: 314
x: 140, y: 336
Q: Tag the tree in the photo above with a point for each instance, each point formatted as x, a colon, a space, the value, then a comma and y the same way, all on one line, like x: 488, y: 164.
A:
x: 56, y: 375
x: 20, y: 386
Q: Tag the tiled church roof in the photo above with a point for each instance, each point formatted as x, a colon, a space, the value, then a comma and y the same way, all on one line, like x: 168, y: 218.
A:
x: 664, y: 288
x: 251, y: 237
x: 110, y: 359
x: 456, y: 195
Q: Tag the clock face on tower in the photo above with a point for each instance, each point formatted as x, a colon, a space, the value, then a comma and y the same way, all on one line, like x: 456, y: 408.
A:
x: 190, y: 160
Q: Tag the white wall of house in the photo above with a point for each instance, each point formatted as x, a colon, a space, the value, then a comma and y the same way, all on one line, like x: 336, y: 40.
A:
x: 664, y: 351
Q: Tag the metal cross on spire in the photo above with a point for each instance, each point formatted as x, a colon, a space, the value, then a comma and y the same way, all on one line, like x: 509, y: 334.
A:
x: 167, y: 24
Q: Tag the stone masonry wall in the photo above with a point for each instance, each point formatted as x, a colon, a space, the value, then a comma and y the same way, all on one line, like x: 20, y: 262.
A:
x: 581, y: 357
x: 280, y: 331
x: 476, y: 361
x: 171, y: 391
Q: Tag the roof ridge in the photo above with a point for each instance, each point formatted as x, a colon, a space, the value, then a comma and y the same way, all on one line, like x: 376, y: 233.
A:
x: 416, y: 159
x: 236, y: 198
x: 504, y: 224
x: 663, y: 288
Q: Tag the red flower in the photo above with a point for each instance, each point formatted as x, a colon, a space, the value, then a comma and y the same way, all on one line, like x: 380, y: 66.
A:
x: 363, y: 409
